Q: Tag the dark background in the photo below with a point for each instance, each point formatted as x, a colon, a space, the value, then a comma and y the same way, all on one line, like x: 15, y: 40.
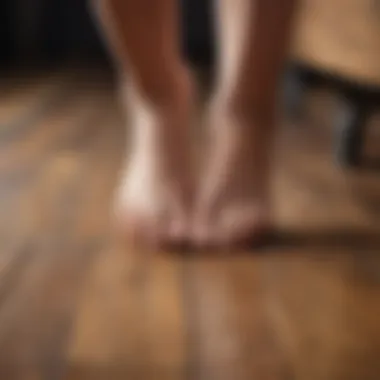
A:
x: 56, y: 29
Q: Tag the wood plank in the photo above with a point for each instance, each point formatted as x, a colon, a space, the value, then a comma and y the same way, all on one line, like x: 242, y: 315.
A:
x: 58, y: 128
x: 131, y: 305
x: 36, y: 313
x: 324, y: 307
x: 24, y: 97
x: 216, y: 345
x: 22, y: 325
x: 232, y: 336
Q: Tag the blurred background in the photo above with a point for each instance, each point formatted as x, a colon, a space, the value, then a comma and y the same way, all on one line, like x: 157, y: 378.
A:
x: 327, y: 50
x: 75, y: 305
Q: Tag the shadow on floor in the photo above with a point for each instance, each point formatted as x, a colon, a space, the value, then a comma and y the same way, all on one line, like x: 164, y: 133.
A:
x: 349, y: 241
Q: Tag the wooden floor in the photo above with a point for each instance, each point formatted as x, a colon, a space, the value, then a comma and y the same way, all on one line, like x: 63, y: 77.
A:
x: 75, y: 304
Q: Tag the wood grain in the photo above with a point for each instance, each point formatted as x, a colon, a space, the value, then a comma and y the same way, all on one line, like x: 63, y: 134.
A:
x: 76, y: 303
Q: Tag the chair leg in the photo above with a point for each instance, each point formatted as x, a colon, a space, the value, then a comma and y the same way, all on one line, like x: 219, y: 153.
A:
x: 298, y: 81
x: 350, y: 126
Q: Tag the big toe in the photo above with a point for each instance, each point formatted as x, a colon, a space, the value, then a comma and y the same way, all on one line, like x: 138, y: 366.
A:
x: 136, y: 228
x: 150, y: 230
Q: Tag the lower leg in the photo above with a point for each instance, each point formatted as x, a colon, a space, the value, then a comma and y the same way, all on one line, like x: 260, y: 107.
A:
x: 143, y: 37
x: 253, y: 35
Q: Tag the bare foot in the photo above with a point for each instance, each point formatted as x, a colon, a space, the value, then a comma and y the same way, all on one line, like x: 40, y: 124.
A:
x: 233, y: 205
x: 155, y: 190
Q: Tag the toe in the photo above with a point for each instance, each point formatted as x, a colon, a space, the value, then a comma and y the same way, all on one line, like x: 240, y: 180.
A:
x: 136, y: 228
x: 177, y: 232
x: 204, y: 234
x: 243, y: 226
x: 177, y: 227
x: 203, y: 231
x: 200, y: 235
x: 179, y: 224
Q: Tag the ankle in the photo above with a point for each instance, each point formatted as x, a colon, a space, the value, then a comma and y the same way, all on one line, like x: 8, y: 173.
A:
x: 161, y: 93
x: 244, y: 109
x: 243, y: 124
